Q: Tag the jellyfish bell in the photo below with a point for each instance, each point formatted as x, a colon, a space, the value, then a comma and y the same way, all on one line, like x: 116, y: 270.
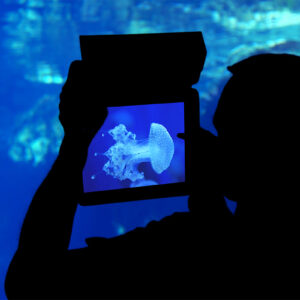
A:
x: 161, y: 147
x: 127, y: 153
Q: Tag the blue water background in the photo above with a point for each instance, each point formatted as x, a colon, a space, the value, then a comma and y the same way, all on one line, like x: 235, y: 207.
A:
x: 39, y: 39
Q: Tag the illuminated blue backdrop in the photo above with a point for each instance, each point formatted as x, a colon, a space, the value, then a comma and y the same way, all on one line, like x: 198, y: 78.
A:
x: 39, y: 39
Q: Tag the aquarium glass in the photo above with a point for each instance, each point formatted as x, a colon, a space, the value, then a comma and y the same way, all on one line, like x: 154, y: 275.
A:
x: 40, y: 38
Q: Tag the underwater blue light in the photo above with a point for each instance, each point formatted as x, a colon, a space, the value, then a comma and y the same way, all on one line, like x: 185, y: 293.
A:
x: 39, y: 39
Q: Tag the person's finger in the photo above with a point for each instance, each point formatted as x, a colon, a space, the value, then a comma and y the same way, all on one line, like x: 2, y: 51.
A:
x: 76, y: 67
x: 181, y: 136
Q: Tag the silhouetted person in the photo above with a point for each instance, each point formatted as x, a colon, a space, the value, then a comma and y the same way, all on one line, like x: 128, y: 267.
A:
x: 257, y: 120
x: 178, y: 257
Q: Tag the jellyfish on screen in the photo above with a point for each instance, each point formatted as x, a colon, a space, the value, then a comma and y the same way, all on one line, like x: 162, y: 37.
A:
x: 127, y: 153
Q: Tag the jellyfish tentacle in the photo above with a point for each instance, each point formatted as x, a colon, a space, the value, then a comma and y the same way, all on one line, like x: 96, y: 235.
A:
x: 121, y: 164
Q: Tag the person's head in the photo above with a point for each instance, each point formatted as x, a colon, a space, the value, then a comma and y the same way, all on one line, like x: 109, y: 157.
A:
x: 258, y: 128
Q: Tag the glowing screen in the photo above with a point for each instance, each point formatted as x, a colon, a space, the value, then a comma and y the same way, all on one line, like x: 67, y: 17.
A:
x: 137, y: 146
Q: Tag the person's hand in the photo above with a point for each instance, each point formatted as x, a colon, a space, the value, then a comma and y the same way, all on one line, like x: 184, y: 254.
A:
x: 82, y: 112
x: 206, y: 196
x: 204, y: 148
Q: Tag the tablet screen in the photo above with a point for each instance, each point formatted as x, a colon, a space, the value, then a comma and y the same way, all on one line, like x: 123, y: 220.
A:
x: 137, y: 146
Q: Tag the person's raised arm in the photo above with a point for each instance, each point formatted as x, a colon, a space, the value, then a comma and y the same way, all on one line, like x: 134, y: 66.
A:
x: 48, y: 223
x: 49, y: 220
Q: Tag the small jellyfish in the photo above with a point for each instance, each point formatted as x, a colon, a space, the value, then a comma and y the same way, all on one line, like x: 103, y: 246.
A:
x: 127, y: 153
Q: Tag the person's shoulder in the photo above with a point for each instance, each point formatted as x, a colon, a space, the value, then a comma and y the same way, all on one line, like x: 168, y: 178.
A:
x: 176, y: 218
x: 171, y: 227
x: 165, y: 226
